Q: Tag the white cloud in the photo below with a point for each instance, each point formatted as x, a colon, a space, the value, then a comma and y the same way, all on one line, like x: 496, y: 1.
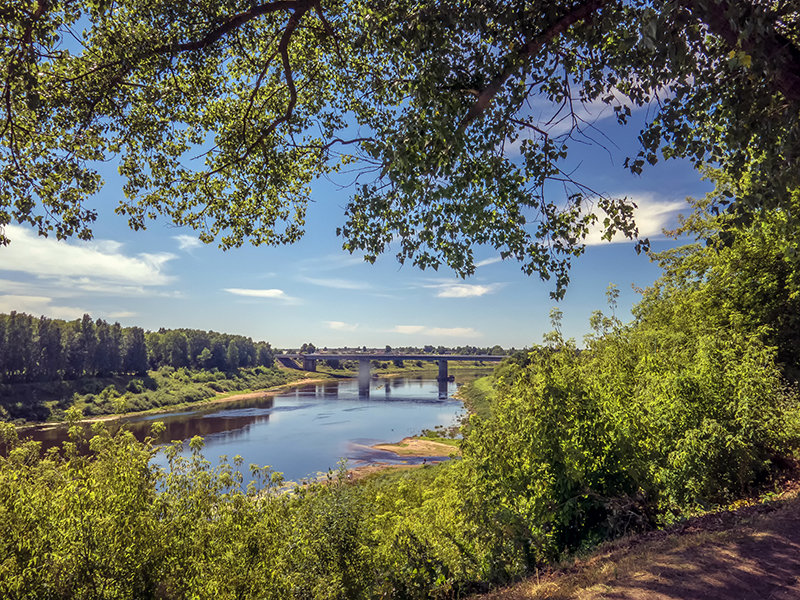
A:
x: 465, y: 290
x: 341, y: 326
x: 460, y: 332
x: 99, y: 263
x: 652, y: 215
x: 187, y: 242
x: 408, y: 329
x: 336, y: 283
x: 39, y: 305
x: 70, y: 287
x: 274, y: 294
x: 488, y: 261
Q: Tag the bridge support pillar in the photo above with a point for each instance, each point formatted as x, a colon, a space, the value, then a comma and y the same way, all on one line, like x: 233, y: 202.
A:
x: 363, y: 376
x: 309, y: 364
x: 442, y: 370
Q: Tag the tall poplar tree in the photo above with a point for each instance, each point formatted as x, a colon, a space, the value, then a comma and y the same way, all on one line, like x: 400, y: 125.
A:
x: 21, y: 349
x: 50, y: 350
x: 232, y: 356
x: 86, y: 346
x: 135, y: 351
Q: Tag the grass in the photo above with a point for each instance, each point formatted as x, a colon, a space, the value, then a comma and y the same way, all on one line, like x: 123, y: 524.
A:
x: 454, y: 442
x: 478, y: 396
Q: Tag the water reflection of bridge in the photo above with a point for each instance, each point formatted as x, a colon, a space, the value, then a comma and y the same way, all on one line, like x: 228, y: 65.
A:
x: 309, y: 362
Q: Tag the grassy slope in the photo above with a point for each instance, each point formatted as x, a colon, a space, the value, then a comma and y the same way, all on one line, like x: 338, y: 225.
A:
x: 478, y: 396
x: 94, y: 396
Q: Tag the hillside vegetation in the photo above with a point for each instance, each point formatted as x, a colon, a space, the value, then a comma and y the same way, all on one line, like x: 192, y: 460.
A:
x: 119, y: 394
x: 48, y: 365
x: 688, y: 407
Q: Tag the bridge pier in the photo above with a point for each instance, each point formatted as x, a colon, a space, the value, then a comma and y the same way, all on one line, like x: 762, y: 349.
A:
x: 363, y: 376
x: 442, y: 370
x: 309, y: 364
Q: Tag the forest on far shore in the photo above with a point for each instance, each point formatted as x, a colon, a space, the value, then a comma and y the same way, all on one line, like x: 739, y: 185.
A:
x: 48, y: 365
x: 47, y: 349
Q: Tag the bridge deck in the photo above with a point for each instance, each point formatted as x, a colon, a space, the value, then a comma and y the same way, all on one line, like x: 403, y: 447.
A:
x: 389, y: 356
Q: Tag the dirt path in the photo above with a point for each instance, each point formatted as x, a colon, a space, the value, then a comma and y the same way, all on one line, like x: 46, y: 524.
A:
x: 749, y: 554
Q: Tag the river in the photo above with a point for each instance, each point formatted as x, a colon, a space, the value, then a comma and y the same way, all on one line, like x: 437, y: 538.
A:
x: 305, y: 431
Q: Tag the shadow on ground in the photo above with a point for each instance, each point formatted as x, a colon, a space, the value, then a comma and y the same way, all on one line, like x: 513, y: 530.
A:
x: 750, y: 555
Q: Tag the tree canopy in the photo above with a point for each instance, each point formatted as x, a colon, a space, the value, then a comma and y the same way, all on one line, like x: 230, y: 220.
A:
x: 222, y: 113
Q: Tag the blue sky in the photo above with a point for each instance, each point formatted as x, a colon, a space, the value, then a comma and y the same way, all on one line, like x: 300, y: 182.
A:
x: 314, y: 291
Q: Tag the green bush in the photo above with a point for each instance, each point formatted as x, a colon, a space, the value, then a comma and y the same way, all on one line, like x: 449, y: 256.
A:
x: 204, y: 376
x: 135, y: 386
x: 640, y: 428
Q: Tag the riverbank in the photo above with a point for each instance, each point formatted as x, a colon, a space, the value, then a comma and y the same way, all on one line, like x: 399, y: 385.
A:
x: 222, y: 397
x: 420, y: 447
x: 46, y: 404
x: 476, y: 396
x: 428, y: 446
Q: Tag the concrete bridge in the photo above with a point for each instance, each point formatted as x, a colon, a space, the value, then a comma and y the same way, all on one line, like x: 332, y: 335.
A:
x: 365, y: 359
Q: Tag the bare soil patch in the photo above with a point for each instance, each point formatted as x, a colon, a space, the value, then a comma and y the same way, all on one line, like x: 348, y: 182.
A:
x: 362, y: 472
x: 748, y: 554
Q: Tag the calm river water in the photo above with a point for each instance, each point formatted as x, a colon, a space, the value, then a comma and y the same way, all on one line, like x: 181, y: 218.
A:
x: 308, y: 429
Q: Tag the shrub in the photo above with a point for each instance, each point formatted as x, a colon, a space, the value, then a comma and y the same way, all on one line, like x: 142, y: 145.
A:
x: 584, y: 445
x: 109, y: 393
x: 135, y: 386
x: 193, y: 395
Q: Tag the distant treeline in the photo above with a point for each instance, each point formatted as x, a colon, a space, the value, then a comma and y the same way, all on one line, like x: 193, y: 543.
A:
x: 495, y: 350
x: 46, y: 349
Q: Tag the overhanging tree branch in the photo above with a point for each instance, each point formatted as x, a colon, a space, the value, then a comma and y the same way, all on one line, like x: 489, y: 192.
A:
x: 582, y: 11
x: 236, y: 21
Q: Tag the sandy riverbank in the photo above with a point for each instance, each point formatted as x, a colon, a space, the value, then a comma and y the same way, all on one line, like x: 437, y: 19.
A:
x: 411, y: 448
x: 415, y: 447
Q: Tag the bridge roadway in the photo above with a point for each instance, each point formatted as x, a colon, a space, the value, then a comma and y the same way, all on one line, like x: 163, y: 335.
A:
x: 364, y: 361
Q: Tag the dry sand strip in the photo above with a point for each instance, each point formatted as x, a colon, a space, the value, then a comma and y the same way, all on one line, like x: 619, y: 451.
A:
x: 418, y: 448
